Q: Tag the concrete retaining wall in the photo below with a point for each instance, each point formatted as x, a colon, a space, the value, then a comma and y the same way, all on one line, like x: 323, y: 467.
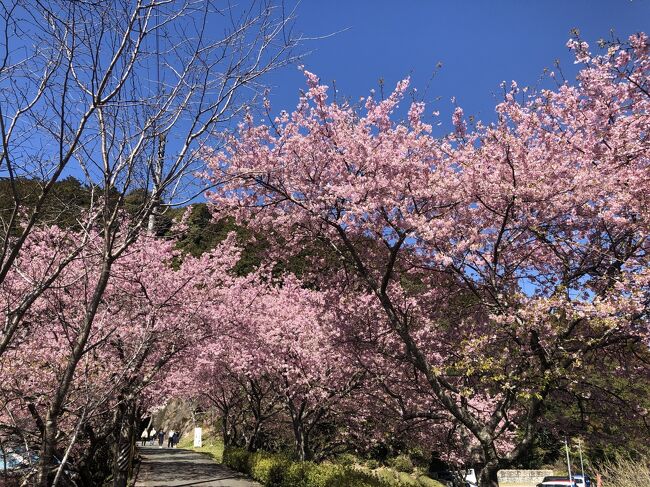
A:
x: 523, y: 478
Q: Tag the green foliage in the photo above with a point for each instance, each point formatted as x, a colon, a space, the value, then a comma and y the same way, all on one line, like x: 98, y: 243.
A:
x: 405, y: 479
x: 204, y: 233
x: 386, y: 476
x: 237, y: 458
x: 274, y: 470
x: 269, y: 469
x: 420, y: 457
x: 135, y: 202
x: 346, y: 459
x: 329, y: 474
x: 391, y: 477
x: 212, y: 446
x: 425, y: 481
x: 372, y: 464
x: 63, y: 205
x: 297, y: 473
x: 402, y: 463
x: 67, y: 200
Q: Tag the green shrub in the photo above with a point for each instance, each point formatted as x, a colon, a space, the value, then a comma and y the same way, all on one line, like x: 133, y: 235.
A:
x: 405, y: 480
x: 402, y: 463
x: 274, y: 470
x: 238, y: 459
x: 372, y: 464
x: 346, y: 459
x: 420, y: 458
x: 261, y: 468
x: 386, y: 476
x: 326, y: 475
x: 425, y: 481
x: 268, y: 469
x: 297, y: 474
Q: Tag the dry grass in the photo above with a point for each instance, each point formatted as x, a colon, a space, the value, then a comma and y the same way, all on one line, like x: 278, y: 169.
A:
x: 626, y: 472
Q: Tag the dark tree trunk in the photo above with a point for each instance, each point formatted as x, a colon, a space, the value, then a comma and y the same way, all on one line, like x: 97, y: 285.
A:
x: 225, y: 429
x: 96, y: 460
x: 251, y: 444
x: 303, y: 450
x: 123, y: 453
x: 488, y: 475
x: 48, y: 447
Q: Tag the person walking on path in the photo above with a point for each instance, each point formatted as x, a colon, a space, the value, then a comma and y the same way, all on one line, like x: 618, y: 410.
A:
x: 170, y: 439
x: 152, y: 436
x: 144, y: 437
x: 175, y: 438
x: 161, y: 438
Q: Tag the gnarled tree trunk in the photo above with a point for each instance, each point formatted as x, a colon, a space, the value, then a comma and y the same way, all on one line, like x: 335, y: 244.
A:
x: 123, y: 450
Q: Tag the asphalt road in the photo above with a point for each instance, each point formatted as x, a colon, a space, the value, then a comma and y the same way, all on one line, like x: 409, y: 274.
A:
x: 185, y: 468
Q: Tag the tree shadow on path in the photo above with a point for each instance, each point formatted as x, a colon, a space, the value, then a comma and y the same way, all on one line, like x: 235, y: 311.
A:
x: 184, y: 468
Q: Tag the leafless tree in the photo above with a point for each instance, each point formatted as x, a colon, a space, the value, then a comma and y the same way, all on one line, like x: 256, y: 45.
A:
x: 121, y: 94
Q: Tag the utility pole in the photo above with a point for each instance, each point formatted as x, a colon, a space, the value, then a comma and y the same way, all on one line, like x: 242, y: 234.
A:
x: 582, y: 466
x: 568, y: 459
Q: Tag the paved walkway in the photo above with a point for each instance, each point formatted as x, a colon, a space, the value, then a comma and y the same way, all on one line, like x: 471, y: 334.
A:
x: 184, y: 468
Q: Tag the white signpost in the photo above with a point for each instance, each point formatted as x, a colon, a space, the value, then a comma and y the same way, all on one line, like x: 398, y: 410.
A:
x: 197, y: 438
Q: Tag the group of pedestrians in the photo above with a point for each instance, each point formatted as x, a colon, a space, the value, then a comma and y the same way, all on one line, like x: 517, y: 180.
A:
x: 152, y: 435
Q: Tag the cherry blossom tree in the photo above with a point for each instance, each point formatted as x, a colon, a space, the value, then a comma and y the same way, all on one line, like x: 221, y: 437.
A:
x: 504, y: 257
x: 277, y: 354
x: 150, y: 313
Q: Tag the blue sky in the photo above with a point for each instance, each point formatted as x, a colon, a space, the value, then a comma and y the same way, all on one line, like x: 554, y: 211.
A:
x: 480, y: 44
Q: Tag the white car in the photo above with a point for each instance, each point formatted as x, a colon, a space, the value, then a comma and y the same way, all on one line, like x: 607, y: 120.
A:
x: 557, y: 482
x: 470, y: 478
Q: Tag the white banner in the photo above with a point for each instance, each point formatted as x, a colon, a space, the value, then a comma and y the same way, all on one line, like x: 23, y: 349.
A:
x: 197, y: 438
